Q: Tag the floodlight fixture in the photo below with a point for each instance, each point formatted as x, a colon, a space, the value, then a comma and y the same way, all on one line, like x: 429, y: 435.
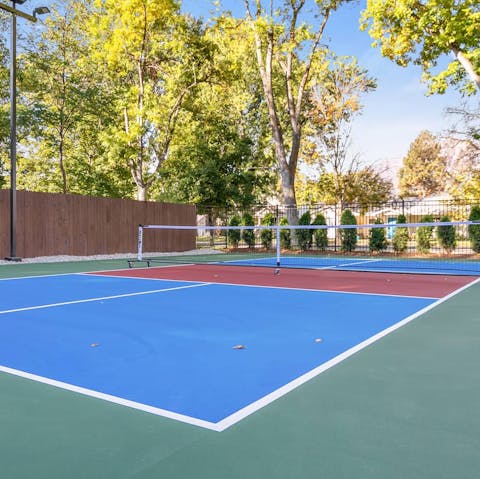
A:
x: 41, y: 11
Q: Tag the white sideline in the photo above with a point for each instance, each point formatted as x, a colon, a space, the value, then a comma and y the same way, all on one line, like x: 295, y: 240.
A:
x: 103, y: 298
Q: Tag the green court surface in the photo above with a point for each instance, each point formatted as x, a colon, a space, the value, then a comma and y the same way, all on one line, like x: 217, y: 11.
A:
x: 405, y: 407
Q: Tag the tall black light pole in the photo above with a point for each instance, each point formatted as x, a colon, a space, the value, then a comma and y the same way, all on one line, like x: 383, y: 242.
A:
x: 13, y: 116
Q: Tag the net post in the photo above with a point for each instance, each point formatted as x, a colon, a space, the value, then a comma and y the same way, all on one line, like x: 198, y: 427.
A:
x: 140, y: 243
x: 277, y: 244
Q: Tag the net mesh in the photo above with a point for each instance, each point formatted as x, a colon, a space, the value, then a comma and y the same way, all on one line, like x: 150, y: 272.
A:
x: 440, y: 247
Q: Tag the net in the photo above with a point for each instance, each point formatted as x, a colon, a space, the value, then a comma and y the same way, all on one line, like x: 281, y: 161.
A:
x: 436, y: 248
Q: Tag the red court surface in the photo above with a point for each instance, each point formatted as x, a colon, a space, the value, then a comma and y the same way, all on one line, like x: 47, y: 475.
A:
x: 396, y: 284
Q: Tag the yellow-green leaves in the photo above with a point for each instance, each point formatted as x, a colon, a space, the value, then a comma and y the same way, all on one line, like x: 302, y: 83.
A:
x: 424, y: 31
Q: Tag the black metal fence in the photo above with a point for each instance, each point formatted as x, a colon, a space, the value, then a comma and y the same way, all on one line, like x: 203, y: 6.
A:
x: 388, y: 212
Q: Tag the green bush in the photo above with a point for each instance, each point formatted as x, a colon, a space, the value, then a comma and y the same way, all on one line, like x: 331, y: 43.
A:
x: 446, y: 235
x: 320, y: 236
x: 304, y: 237
x: 424, y: 235
x: 400, y: 237
x: 348, y: 236
x: 378, y: 239
x: 234, y: 235
x: 248, y: 235
x: 474, y: 230
x: 266, y: 236
x: 285, y: 238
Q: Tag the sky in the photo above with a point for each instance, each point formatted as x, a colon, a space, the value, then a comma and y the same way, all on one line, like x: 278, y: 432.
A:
x: 393, y: 115
x: 396, y: 112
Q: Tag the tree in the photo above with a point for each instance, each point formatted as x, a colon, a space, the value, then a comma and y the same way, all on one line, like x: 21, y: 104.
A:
x: 285, y: 234
x: 233, y: 235
x: 67, y: 107
x: 220, y: 159
x: 424, y: 235
x: 463, y: 142
x: 474, y: 230
x: 304, y: 236
x: 364, y: 186
x: 287, y: 53
x: 212, y: 165
x: 424, y: 168
x: 377, y: 240
x: 400, y: 237
x: 446, y: 235
x: 348, y: 236
x: 320, y: 235
x: 248, y: 235
x: 424, y: 32
x: 335, y: 102
x: 154, y: 58
x: 266, y: 235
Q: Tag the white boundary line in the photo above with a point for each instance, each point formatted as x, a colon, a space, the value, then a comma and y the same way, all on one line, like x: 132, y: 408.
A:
x: 273, y: 396
x: 107, y: 397
x: 253, y: 407
x: 288, y: 288
x: 91, y: 300
x: 75, y: 273
x: 336, y: 266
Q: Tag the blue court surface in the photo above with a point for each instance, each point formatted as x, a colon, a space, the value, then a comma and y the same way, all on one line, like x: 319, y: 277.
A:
x: 208, y: 354
x: 457, y: 266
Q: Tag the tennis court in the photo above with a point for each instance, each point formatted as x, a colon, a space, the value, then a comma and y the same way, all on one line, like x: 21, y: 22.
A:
x: 212, y: 370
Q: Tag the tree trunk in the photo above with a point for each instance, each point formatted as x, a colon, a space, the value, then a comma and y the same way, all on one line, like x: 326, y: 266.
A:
x: 467, y: 64
x: 142, y: 191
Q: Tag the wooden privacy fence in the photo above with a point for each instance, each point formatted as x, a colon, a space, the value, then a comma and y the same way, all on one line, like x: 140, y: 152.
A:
x: 50, y: 224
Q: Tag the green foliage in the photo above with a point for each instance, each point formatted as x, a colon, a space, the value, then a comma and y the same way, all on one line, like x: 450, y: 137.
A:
x: 424, y: 235
x: 348, y: 236
x: 320, y: 236
x: 67, y: 107
x: 400, y: 237
x: 424, y: 168
x: 304, y: 237
x: 365, y: 186
x: 3, y: 179
x: 474, y: 230
x: 154, y: 59
x: 285, y: 236
x: 234, y: 235
x: 377, y: 240
x: 248, y: 235
x: 424, y: 33
x: 266, y: 236
x: 446, y: 235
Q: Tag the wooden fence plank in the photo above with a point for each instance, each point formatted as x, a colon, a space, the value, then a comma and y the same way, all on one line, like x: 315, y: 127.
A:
x: 50, y: 224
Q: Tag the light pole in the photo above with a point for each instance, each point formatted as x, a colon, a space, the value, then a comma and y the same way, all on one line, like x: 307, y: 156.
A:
x: 13, y: 116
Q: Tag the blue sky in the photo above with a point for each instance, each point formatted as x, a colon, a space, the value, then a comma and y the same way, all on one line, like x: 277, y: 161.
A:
x: 397, y: 111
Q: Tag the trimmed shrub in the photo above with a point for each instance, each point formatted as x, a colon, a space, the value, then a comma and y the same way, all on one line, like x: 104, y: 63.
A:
x: 248, y: 235
x: 233, y: 236
x: 474, y: 230
x: 266, y: 236
x: 348, y: 236
x: 304, y: 237
x: 424, y: 235
x: 378, y: 239
x: 400, y: 237
x: 285, y: 239
x: 320, y: 236
x: 446, y: 235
